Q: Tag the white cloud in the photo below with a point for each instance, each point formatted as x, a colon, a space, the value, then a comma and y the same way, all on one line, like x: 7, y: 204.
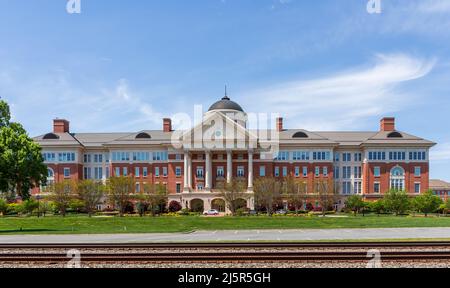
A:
x: 441, y: 152
x: 343, y: 100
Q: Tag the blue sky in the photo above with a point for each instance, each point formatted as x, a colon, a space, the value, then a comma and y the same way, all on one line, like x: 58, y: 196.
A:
x: 324, y: 65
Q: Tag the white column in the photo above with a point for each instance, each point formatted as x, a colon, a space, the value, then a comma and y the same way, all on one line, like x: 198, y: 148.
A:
x: 250, y: 170
x: 189, y: 172
x: 208, y: 174
x: 186, y: 169
x: 229, y: 166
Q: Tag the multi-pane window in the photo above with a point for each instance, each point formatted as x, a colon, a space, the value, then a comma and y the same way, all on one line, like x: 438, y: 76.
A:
x: 325, y: 171
x: 376, y: 188
x: 125, y: 171
x: 285, y: 171
x: 418, y: 155
x: 357, y: 187
x: 300, y: 155
x: 87, y: 173
x: 98, y: 158
x: 120, y: 156
x: 164, y: 171
x: 178, y: 171
x: 377, y: 171
x: 178, y: 188
x: 240, y: 171
x: 322, y: 155
x: 138, y: 188
x: 417, y: 171
x: 277, y: 171
x: 417, y: 188
x: 220, y: 172
x: 297, y: 171
x: 178, y: 158
x: 358, y: 157
x: 98, y: 173
x: 66, y: 172
x: 145, y: 172
x: 262, y: 171
x: 49, y: 157
x: 346, y: 172
x: 377, y: 155
x: 397, y: 155
x: 398, y: 178
x: 337, y: 157
x: 117, y: 172
x: 87, y: 158
x: 357, y: 172
x: 305, y: 171
x: 346, y: 157
x: 200, y: 172
x: 66, y: 157
x: 336, y: 172
x: 137, y: 172
x: 160, y: 156
x: 141, y: 156
x: 282, y: 156
x: 346, y: 187
x: 317, y: 171
x: 156, y: 171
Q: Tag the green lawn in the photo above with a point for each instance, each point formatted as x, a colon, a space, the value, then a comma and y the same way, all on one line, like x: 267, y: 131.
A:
x: 85, y: 225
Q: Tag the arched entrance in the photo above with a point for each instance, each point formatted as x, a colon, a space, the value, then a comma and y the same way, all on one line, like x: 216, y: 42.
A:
x: 197, y: 205
x: 218, y: 204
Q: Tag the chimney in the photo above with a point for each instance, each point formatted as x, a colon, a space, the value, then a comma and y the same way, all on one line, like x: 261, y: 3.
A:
x: 167, y: 126
x: 280, y: 124
x: 61, y: 126
x: 387, y: 124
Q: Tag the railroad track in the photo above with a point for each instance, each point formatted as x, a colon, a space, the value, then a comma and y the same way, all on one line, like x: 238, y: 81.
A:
x: 255, y: 253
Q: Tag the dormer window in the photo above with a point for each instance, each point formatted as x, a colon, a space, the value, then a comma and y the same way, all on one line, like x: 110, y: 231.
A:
x: 395, y: 135
x: 51, y: 136
x: 300, y: 135
x: 143, y: 136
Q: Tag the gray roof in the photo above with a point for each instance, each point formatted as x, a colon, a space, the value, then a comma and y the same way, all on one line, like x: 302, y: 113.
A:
x: 226, y: 104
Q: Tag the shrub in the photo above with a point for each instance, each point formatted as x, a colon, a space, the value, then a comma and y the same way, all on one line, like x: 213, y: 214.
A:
x: 76, y: 205
x: 184, y: 212
x: 174, y: 206
x: 3, y: 207
x: 29, y: 206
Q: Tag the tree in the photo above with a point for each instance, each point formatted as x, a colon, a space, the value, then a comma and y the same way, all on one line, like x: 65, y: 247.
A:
x: 44, y: 207
x: 3, y: 207
x: 427, y: 202
x: 396, y: 201
x: 91, y: 193
x: 295, y: 192
x: 61, y: 194
x: 354, y: 203
x: 232, y: 192
x: 446, y: 206
x: 326, y: 192
x: 29, y: 206
x: 378, y: 206
x: 153, y: 195
x: 22, y: 165
x: 174, y: 206
x: 267, y: 192
x: 120, y: 192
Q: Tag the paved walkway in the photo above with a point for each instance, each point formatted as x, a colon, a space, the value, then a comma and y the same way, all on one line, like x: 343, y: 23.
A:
x: 241, y: 235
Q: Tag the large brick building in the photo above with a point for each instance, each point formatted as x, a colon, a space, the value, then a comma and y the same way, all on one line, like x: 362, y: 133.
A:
x: 194, y: 163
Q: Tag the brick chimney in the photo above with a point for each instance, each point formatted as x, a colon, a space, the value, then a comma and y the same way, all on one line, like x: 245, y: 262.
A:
x: 167, y: 125
x: 280, y: 124
x: 61, y: 126
x: 387, y: 124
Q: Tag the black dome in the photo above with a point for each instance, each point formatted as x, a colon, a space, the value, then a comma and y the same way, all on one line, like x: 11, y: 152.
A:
x: 226, y: 104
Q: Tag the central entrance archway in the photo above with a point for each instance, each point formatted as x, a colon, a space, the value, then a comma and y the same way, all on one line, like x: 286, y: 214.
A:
x: 218, y: 204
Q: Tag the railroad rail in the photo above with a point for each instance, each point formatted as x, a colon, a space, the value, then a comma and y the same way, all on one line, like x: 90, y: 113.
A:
x: 252, y: 252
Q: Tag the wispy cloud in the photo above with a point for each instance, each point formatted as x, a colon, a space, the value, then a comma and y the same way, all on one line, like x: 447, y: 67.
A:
x: 440, y: 153
x: 344, y: 99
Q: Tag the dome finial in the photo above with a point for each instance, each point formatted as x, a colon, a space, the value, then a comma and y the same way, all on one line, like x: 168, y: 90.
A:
x: 226, y: 94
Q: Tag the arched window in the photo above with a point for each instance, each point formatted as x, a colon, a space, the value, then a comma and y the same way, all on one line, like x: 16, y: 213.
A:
x: 395, y: 135
x: 398, y: 178
x: 51, y: 136
x: 300, y: 135
x: 143, y: 136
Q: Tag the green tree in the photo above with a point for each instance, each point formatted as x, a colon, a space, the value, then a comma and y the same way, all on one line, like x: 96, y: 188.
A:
x: 61, y: 194
x: 354, y: 203
x: 29, y: 206
x: 3, y: 207
x: 396, y: 201
x: 427, y: 202
x: 120, y: 191
x: 267, y: 192
x: 91, y: 193
x: 232, y: 192
x: 22, y: 166
x: 378, y: 206
x: 152, y: 196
